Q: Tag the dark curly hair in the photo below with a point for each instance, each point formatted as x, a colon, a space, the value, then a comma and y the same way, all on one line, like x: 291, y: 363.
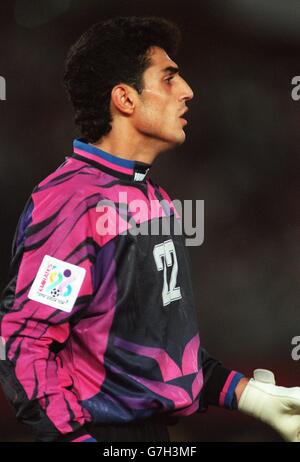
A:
x: 111, y: 52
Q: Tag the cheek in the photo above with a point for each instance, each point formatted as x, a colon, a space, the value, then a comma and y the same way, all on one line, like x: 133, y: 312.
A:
x: 152, y: 117
x: 156, y: 115
x: 162, y: 116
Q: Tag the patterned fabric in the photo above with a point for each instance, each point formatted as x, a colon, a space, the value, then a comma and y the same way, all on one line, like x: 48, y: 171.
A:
x: 130, y: 347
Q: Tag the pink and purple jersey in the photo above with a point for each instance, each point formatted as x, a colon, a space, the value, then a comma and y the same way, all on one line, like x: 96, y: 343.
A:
x: 130, y: 347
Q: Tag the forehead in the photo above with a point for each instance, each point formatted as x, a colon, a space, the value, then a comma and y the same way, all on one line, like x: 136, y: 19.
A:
x: 160, y: 60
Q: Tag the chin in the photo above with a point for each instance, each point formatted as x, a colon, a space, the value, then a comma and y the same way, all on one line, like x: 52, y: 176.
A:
x: 178, y: 137
x: 176, y: 142
x: 173, y: 141
x: 181, y: 138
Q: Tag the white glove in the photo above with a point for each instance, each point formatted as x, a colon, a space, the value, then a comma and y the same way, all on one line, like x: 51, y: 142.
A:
x: 277, y: 406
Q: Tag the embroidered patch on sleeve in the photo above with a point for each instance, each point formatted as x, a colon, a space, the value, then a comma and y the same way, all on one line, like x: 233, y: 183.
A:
x: 57, y: 284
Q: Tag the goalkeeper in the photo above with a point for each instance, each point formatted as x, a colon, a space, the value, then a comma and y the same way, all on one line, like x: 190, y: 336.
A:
x: 100, y: 328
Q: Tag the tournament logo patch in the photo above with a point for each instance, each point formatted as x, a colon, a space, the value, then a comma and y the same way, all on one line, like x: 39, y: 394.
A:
x: 57, y: 283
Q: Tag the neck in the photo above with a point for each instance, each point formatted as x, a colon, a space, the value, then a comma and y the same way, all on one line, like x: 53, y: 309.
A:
x: 132, y: 146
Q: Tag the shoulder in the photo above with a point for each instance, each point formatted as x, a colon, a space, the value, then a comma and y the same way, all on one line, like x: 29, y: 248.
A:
x: 72, y: 186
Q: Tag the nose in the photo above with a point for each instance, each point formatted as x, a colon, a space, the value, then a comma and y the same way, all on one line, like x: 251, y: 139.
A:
x: 186, y: 93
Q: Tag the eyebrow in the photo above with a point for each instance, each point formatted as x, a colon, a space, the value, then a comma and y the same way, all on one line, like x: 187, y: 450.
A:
x: 171, y: 70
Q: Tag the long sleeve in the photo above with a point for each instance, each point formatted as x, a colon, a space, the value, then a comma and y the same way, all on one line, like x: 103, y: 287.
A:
x: 33, y: 376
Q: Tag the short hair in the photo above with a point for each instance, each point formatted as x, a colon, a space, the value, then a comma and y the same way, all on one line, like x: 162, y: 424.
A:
x: 111, y: 52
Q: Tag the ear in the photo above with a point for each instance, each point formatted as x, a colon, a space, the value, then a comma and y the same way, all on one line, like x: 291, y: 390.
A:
x: 123, y: 98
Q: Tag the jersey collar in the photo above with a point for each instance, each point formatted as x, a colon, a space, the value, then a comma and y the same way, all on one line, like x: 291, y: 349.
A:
x: 113, y: 165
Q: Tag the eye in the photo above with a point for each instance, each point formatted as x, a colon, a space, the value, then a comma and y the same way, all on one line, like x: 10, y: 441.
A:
x: 169, y: 79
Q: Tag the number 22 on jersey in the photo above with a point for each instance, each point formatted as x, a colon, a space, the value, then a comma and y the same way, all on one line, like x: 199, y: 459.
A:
x: 165, y: 256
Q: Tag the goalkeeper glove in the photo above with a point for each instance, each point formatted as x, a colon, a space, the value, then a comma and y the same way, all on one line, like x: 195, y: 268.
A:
x: 277, y: 406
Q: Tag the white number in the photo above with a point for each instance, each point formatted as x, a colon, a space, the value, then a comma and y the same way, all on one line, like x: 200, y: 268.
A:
x: 163, y: 258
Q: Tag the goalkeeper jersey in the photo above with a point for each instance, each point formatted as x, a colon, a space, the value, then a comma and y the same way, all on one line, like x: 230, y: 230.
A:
x: 98, y: 316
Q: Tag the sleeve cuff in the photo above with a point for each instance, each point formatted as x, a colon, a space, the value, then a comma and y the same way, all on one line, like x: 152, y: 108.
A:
x: 84, y: 439
x: 220, y: 387
x: 227, y: 397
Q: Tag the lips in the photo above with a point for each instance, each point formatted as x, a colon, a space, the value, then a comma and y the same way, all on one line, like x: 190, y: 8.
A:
x: 181, y: 116
x: 183, y: 120
x: 186, y: 110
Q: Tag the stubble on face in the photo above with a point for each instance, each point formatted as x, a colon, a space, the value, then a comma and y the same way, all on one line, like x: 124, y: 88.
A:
x: 160, y: 106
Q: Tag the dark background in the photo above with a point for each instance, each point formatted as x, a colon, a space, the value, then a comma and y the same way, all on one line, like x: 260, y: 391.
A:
x: 241, y: 157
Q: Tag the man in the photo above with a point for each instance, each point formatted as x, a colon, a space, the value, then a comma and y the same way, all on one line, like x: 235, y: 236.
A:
x: 98, y: 319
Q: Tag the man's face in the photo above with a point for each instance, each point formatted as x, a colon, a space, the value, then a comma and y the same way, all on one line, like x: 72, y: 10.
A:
x: 162, y: 101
